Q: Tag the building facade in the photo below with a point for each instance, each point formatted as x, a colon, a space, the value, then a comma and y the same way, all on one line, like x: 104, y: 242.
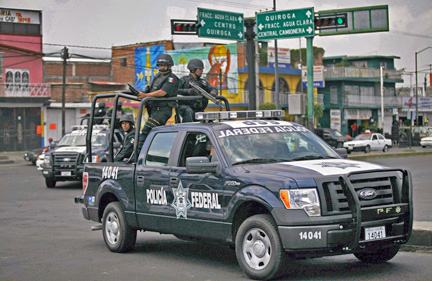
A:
x: 22, y: 90
x: 352, y: 93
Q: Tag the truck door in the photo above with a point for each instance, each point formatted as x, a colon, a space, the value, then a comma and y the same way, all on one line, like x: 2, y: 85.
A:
x: 202, y: 210
x: 153, y: 190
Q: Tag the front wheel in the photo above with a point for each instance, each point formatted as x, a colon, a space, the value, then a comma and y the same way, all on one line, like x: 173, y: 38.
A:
x: 259, y: 249
x: 50, y: 183
x: 385, y: 149
x: 339, y: 145
x: 118, y: 236
x: 367, y: 149
x: 378, y: 256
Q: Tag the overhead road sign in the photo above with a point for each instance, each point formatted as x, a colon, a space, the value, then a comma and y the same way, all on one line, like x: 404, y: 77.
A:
x: 285, y: 24
x: 352, y: 20
x: 221, y: 24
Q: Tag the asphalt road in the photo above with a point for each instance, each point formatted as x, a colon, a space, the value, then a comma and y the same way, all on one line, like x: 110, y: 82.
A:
x: 44, y: 237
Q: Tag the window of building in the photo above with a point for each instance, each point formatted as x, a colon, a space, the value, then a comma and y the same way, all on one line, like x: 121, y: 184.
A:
x: 352, y: 90
x: 160, y: 149
x: 19, y: 28
x: 359, y: 63
x: 333, y: 95
x: 123, y: 62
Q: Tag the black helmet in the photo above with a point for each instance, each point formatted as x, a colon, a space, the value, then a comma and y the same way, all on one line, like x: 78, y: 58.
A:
x: 165, y: 59
x: 101, y: 105
x: 195, y: 64
x: 127, y: 118
x: 119, y: 105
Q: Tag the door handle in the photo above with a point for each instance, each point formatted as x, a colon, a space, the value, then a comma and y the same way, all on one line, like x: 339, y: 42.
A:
x: 174, y: 182
x: 140, y: 180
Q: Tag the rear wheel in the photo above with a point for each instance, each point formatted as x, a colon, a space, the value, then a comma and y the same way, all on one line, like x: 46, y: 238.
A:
x: 118, y: 235
x: 50, y: 183
x: 258, y: 248
x: 378, y: 256
x: 367, y: 149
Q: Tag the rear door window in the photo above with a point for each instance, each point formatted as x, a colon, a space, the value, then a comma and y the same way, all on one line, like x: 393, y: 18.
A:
x: 160, y: 149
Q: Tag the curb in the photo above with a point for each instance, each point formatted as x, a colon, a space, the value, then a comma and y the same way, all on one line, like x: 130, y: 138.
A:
x: 389, y: 155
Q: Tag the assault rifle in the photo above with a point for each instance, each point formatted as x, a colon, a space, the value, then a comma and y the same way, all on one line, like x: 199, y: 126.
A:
x: 205, y: 94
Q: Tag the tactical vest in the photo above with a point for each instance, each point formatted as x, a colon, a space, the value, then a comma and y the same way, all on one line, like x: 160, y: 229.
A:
x: 157, y: 83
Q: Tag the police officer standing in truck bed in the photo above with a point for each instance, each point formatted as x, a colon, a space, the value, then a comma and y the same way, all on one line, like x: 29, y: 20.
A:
x: 164, y: 84
x: 187, y: 109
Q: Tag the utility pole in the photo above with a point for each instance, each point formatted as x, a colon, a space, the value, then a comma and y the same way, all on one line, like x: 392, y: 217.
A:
x: 382, y: 96
x: 65, y: 56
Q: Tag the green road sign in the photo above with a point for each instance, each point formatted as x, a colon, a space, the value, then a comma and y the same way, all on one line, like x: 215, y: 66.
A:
x: 285, y: 24
x: 221, y: 24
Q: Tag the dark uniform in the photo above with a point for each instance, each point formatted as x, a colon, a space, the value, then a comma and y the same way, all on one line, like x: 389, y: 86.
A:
x: 120, y: 113
x: 100, y: 113
x: 128, y: 140
x: 187, y: 109
x: 160, y: 111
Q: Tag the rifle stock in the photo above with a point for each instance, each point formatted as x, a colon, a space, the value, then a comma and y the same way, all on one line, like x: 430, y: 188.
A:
x: 204, y: 93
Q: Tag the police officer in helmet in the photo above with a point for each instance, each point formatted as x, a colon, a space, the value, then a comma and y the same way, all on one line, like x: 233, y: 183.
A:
x: 127, y: 123
x: 101, y: 112
x: 187, y: 109
x: 164, y: 84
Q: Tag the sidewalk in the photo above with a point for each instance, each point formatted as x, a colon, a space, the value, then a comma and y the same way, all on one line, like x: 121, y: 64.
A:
x: 421, y: 238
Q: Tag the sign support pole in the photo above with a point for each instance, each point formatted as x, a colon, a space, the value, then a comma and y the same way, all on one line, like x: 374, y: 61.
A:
x: 276, y: 67
x: 310, y: 83
x: 250, y: 56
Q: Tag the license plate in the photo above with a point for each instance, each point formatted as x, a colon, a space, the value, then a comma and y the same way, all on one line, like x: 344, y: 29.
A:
x: 66, y: 174
x: 373, y: 233
x: 26, y: 158
x: 350, y: 147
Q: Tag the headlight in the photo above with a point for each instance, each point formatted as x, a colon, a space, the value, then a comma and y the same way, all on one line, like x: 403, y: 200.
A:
x: 47, y: 161
x: 306, y: 199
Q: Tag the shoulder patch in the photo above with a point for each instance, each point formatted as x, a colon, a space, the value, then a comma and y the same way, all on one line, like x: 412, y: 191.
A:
x: 170, y: 80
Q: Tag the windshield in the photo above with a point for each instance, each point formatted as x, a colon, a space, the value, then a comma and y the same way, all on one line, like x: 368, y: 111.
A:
x: 363, y: 137
x: 288, y: 142
x: 79, y: 139
x: 336, y: 134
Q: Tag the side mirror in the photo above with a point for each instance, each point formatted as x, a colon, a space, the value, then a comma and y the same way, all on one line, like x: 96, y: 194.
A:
x: 201, y: 165
x: 342, y: 152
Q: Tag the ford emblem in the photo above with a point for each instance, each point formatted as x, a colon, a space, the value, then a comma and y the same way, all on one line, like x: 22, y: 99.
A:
x: 367, y: 193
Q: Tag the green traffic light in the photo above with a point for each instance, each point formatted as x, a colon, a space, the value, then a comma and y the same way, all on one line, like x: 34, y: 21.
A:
x: 340, y: 21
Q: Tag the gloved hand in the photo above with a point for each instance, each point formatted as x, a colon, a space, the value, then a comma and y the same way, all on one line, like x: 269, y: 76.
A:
x: 214, y: 93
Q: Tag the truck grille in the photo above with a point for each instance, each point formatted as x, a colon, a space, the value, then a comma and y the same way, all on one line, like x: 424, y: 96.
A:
x: 386, y: 187
x: 66, y: 161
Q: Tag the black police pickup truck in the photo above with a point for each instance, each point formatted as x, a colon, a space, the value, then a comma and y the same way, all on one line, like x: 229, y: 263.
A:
x: 272, y: 189
x: 66, y: 161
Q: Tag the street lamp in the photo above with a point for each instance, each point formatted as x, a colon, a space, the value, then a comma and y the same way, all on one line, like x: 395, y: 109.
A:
x: 417, y: 81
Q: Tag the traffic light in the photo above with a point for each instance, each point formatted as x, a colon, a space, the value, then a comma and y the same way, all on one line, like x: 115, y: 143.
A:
x: 184, y: 27
x: 328, y: 21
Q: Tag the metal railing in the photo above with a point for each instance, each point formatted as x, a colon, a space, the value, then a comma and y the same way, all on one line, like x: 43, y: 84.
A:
x: 24, y: 90
x: 370, y: 101
x: 359, y: 72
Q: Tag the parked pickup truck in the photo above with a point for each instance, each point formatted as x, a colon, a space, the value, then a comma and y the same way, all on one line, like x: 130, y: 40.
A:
x: 271, y: 189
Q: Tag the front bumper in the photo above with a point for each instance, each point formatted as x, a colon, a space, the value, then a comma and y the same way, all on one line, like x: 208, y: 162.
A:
x: 355, y: 148
x: 63, y: 175
x: 332, y: 234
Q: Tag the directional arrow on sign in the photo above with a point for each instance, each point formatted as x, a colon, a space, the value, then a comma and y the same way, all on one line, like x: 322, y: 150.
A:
x: 260, y: 26
x: 240, y: 19
x: 308, y: 14
x: 202, y: 22
x: 240, y: 35
x: 309, y: 29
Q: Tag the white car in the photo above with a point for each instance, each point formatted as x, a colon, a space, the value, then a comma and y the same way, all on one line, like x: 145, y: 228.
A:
x: 368, y: 142
x: 427, y: 141
x: 40, y: 160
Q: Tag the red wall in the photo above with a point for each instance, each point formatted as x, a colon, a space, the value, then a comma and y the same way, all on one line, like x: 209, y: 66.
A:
x: 23, y: 60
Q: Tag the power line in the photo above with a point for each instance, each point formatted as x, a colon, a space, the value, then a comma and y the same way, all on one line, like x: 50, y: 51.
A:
x: 411, y: 34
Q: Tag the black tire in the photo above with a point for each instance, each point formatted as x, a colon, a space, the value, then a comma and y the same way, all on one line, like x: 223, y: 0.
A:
x: 378, y: 256
x: 367, y: 149
x: 385, y: 148
x: 259, y: 249
x: 349, y: 151
x: 117, y: 234
x: 50, y: 183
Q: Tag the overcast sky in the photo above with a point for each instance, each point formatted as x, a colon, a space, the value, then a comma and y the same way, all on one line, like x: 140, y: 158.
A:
x: 106, y: 23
